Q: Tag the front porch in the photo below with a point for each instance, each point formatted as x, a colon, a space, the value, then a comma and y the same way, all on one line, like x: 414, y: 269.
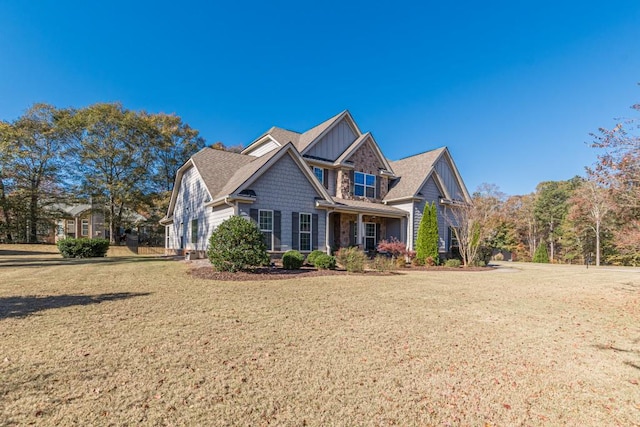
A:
x: 365, y: 225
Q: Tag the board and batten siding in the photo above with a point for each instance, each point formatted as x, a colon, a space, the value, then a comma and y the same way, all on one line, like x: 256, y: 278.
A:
x: 334, y: 143
x: 449, y: 180
x: 190, y: 201
x: 286, y: 189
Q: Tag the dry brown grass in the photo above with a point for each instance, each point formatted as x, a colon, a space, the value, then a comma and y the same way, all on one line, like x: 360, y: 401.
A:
x: 128, y: 341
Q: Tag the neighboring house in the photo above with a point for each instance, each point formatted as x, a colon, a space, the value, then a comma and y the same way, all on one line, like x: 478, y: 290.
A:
x: 78, y: 220
x: 84, y: 220
x: 326, y: 188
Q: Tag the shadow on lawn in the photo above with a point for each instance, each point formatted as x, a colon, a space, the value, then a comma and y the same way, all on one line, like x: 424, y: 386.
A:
x: 58, y: 260
x: 621, y: 350
x: 27, y: 305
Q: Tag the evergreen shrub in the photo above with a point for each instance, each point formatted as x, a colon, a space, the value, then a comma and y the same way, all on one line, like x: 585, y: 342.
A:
x: 292, y: 260
x: 311, y: 258
x: 541, y: 255
x: 83, y: 247
x: 237, y: 244
x: 325, y: 262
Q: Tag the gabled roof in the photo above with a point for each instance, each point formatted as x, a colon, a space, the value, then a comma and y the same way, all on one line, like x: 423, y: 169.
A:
x: 357, y: 144
x: 224, y: 172
x: 413, y: 172
x: 279, y: 135
x: 70, y: 210
x: 217, y: 167
x: 314, y: 134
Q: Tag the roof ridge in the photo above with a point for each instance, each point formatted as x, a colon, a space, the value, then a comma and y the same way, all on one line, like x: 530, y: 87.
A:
x: 419, y: 154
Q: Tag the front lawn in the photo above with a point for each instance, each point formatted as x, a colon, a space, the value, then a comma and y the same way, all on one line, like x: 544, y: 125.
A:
x: 138, y: 340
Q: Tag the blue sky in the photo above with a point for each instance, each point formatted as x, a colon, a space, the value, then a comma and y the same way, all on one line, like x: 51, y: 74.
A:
x: 512, y: 88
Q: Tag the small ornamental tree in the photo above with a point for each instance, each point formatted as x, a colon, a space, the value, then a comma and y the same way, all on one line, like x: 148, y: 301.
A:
x: 541, y: 255
x: 427, y: 239
x: 237, y: 244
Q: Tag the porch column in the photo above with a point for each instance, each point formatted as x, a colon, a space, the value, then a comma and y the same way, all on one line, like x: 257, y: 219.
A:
x: 360, y: 226
x: 327, y: 228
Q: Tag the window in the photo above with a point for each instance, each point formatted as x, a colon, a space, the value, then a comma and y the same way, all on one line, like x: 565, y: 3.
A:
x: 364, y: 185
x: 60, y: 227
x: 305, y: 232
x: 265, y: 223
x: 319, y: 173
x: 369, y: 236
x: 71, y: 227
x: 168, y: 235
x: 85, y: 228
x: 194, y: 231
x: 453, y: 241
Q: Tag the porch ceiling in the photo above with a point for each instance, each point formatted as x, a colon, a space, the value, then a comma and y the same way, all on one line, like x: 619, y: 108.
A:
x: 359, y: 206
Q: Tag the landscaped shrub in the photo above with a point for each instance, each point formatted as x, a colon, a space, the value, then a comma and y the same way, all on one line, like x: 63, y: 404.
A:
x: 499, y: 257
x: 382, y: 263
x: 541, y: 255
x: 351, y: 259
x: 325, y: 262
x: 453, y: 262
x: 311, y: 258
x: 393, y: 246
x: 83, y: 248
x: 292, y: 260
x: 417, y: 262
x: 237, y: 244
x: 430, y: 261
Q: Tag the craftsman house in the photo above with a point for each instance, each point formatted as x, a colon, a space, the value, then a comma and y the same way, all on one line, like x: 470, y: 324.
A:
x: 325, y: 188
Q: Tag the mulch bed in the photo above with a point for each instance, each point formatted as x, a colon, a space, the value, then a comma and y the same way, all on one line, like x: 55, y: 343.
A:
x: 278, y: 273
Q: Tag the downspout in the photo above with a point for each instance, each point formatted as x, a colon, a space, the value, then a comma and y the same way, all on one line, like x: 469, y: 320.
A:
x: 326, y: 232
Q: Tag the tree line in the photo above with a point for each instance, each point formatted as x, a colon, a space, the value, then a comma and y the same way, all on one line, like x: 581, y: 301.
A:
x: 125, y: 159
x: 590, y: 219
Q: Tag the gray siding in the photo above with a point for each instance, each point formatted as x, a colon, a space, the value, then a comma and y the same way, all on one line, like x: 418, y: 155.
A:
x: 431, y: 193
x: 443, y: 167
x: 335, y: 142
x: 285, y: 188
x: 190, y: 201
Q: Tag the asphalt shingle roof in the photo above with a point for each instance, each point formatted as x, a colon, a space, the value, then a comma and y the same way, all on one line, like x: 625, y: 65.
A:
x: 412, y: 172
x: 223, y: 172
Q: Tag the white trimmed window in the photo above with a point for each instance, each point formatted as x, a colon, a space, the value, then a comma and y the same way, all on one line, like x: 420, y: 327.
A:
x: 305, y: 232
x: 369, y: 236
x: 265, y: 222
x: 364, y: 185
x: 84, y: 231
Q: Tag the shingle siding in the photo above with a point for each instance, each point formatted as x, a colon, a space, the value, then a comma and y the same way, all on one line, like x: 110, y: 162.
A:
x: 285, y: 188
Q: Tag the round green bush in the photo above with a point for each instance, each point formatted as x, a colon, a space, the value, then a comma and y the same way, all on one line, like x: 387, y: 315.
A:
x: 237, y: 244
x: 83, y: 247
x: 311, y: 258
x: 292, y: 260
x: 325, y: 262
